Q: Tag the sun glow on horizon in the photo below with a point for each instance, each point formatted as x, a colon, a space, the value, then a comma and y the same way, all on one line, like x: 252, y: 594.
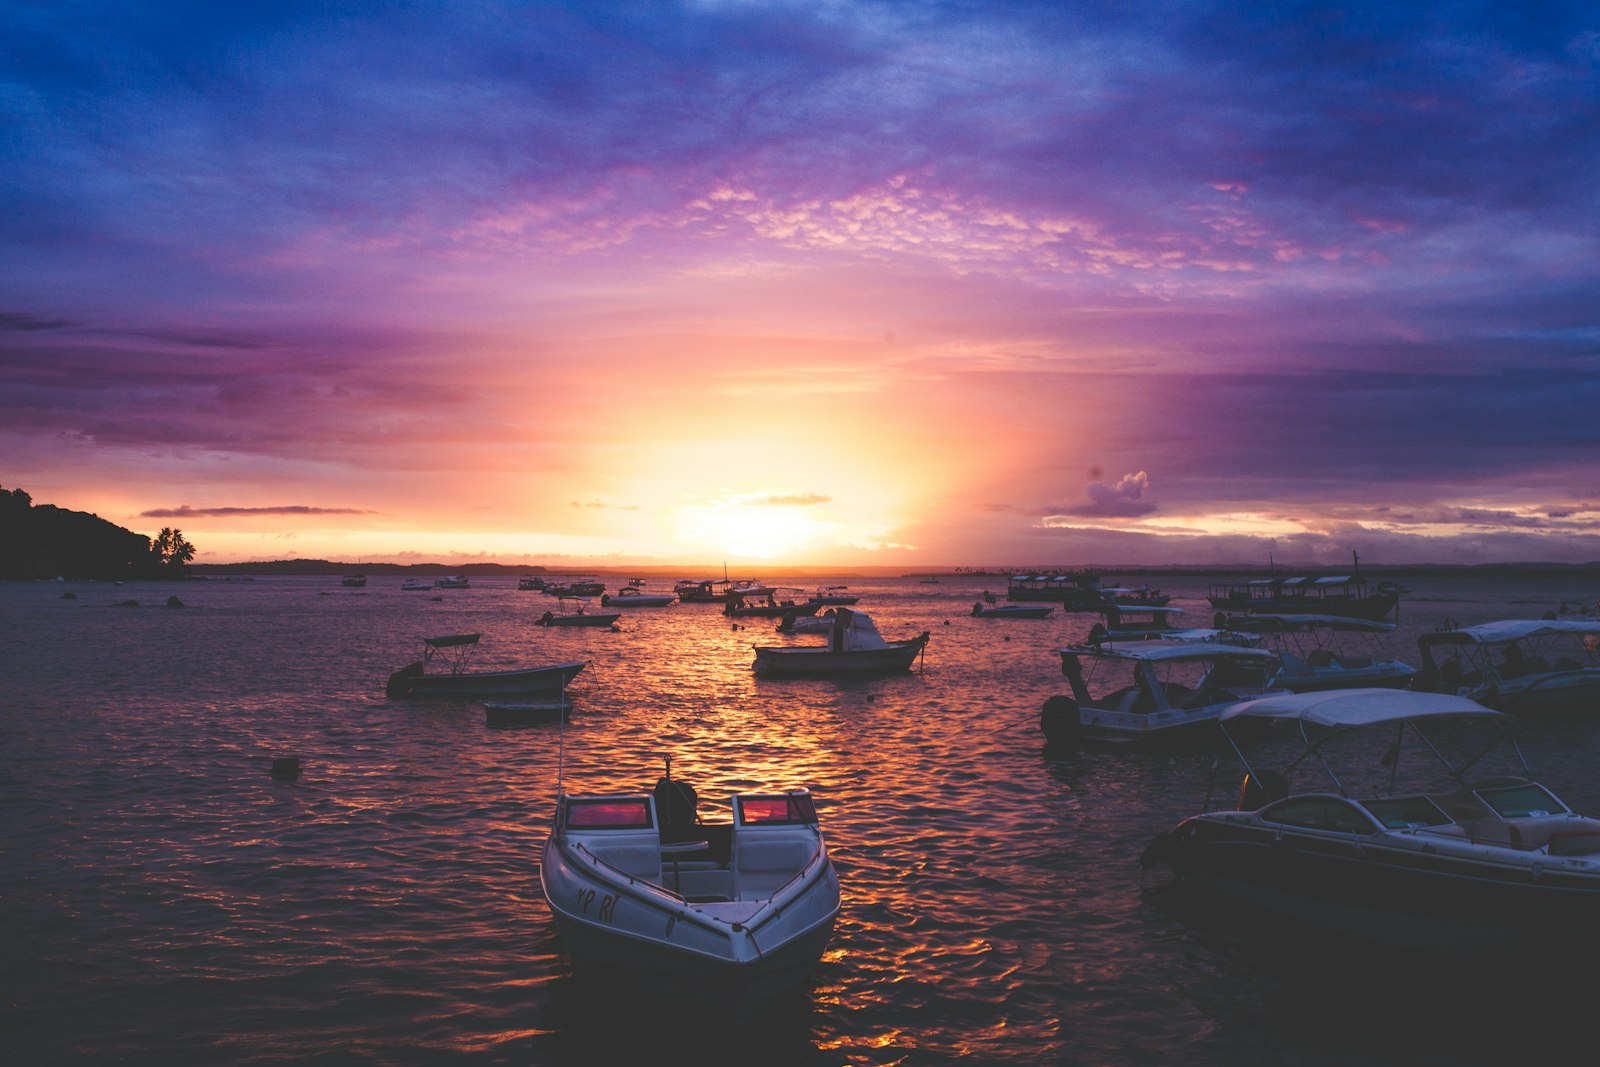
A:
x: 749, y: 529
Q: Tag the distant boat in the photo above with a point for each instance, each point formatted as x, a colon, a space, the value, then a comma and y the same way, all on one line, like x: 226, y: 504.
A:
x: 768, y: 604
x: 576, y: 587
x: 353, y: 581
x: 416, y: 585
x: 454, y: 581
x: 1345, y: 594
x: 834, y: 595
x: 980, y: 610
x: 574, y: 612
x: 633, y: 596
x: 456, y: 651
x: 854, y: 648
x: 530, y: 584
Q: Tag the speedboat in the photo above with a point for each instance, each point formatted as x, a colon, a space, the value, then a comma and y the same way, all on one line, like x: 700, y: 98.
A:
x: 1459, y: 861
x: 1127, y: 623
x: 652, y: 901
x: 854, y: 648
x: 834, y: 595
x: 1141, y: 692
x: 1326, y: 651
x: 982, y: 610
x: 1517, y: 665
x: 455, y: 651
x: 416, y: 585
x: 574, y: 612
x: 632, y: 596
x: 576, y: 587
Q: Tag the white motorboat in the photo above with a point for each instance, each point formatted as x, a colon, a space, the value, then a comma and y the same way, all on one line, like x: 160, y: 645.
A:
x: 724, y: 918
x: 353, y: 581
x: 1385, y: 855
x: 453, y: 581
x: 455, y: 651
x: 1140, y: 692
x: 416, y: 585
x: 1517, y: 665
x: 854, y: 648
x: 632, y: 596
x: 1326, y: 651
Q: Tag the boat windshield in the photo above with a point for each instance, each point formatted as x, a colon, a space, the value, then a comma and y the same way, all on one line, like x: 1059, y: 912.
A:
x: 1406, y: 813
x: 628, y: 813
x: 777, y: 810
x: 1521, y: 801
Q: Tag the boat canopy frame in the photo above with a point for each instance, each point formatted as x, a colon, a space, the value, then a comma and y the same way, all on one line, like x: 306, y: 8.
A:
x: 454, y: 649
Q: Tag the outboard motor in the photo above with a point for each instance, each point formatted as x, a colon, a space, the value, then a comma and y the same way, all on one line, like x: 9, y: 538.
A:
x: 1059, y: 720
x: 677, y: 806
x: 400, y: 682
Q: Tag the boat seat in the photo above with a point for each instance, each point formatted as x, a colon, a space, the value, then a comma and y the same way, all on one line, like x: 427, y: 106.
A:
x: 1322, y: 658
x: 635, y: 854
x: 764, y: 863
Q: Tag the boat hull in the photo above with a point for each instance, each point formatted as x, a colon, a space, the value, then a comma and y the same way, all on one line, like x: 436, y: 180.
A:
x: 1497, y: 903
x: 1373, y: 606
x: 634, y: 936
x: 778, y: 662
x: 525, y: 681
x: 599, y: 619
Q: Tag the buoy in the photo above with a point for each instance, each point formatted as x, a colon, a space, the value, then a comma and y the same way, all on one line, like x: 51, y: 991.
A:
x: 1059, y: 720
x: 286, y: 767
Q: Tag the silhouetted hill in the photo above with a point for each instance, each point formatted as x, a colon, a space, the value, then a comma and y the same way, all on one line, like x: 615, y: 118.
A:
x: 45, y: 541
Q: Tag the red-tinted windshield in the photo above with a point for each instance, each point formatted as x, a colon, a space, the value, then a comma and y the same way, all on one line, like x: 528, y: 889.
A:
x: 608, y: 814
x: 779, y: 809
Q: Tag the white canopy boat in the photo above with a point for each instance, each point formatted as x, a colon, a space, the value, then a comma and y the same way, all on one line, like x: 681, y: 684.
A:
x: 1517, y: 665
x: 721, y: 918
x: 1146, y: 691
x: 575, y: 612
x: 1327, y: 651
x: 854, y: 648
x: 456, y: 650
x: 1378, y: 853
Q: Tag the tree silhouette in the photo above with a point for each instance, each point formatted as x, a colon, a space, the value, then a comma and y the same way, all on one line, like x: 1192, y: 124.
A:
x: 172, y: 549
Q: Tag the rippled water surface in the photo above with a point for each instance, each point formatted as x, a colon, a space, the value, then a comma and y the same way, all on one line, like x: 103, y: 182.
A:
x: 167, y: 900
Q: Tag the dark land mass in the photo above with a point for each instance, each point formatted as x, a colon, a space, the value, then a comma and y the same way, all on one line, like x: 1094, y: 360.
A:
x: 43, y: 541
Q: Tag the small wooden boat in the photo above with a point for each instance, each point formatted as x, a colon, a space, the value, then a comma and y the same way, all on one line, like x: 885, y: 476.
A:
x: 574, y: 613
x: 663, y: 907
x: 496, y: 713
x: 456, y: 651
x: 834, y: 595
x: 854, y: 648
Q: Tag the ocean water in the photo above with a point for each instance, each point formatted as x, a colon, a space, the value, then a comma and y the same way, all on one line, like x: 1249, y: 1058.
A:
x: 166, y: 900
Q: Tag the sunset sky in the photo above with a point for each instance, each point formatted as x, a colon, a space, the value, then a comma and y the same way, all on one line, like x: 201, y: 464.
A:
x: 820, y: 283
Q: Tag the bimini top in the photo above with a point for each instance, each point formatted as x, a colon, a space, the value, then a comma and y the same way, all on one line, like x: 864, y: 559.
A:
x: 1508, y: 630
x: 1270, y: 621
x: 1358, y: 707
x: 1162, y: 649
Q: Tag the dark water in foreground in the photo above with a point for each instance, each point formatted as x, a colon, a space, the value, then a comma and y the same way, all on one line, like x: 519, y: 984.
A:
x: 164, y: 899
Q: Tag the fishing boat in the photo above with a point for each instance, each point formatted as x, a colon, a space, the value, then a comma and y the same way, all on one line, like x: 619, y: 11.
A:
x: 530, y: 584
x: 1411, y: 840
x: 717, y: 590
x: 854, y: 648
x: 453, y: 581
x: 632, y: 596
x: 718, y: 917
x: 576, y: 587
x: 981, y: 610
x: 1128, y: 597
x: 574, y: 611
x: 1120, y: 623
x: 353, y: 581
x: 1073, y: 590
x: 455, y: 652
x: 1517, y: 665
x: 1143, y: 692
x: 416, y: 585
x: 1326, y: 651
x: 834, y: 595
x: 769, y: 604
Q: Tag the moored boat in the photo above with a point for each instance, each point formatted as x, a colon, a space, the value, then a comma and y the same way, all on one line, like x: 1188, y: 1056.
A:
x: 1517, y: 665
x: 854, y: 648
x: 574, y: 611
x: 1344, y: 594
x: 453, y: 581
x: 633, y: 596
x: 1463, y: 862
x: 505, y: 713
x: 456, y: 651
x: 1326, y: 651
x: 651, y: 900
x: 1142, y: 692
x: 769, y: 604
x: 353, y: 581
x: 416, y: 585
x: 981, y: 610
